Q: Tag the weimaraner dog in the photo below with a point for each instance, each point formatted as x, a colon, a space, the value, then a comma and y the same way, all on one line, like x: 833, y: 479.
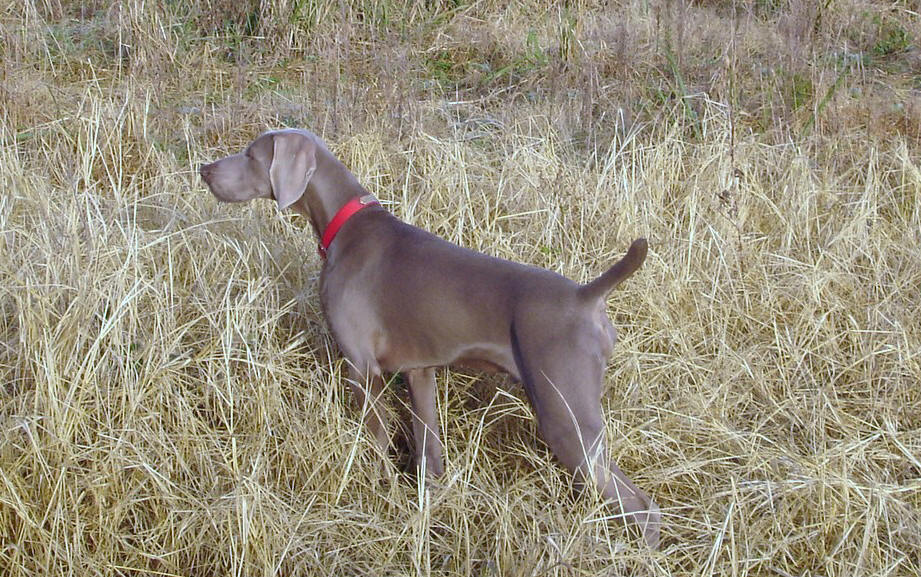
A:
x: 398, y: 299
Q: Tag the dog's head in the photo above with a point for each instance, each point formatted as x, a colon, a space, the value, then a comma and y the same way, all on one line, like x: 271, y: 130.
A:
x: 276, y: 165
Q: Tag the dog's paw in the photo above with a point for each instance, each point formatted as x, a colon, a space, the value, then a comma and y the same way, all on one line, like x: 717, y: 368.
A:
x: 385, y: 473
x: 652, y: 526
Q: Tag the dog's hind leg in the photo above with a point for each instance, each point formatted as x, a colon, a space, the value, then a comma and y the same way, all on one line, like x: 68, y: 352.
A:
x: 564, y: 387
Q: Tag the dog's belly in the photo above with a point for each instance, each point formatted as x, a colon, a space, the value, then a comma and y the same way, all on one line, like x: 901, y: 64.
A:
x: 487, y: 358
x: 482, y: 357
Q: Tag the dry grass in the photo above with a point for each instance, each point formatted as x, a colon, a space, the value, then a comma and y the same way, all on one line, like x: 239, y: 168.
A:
x: 172, y: 404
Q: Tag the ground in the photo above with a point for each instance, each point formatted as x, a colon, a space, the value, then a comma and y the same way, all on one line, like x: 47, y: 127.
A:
x: 173, y: 404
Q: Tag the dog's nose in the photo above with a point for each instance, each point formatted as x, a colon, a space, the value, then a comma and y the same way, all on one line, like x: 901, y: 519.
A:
x: 205, y: 171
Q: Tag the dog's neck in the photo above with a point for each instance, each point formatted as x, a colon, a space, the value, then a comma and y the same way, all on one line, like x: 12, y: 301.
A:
x: 330, y: 188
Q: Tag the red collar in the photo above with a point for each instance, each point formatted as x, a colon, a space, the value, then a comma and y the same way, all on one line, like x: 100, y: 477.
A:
x: 345, y: 213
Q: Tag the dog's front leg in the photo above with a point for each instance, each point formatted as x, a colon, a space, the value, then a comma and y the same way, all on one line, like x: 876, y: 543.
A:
x: 368, y: 389
x: 425, y: 421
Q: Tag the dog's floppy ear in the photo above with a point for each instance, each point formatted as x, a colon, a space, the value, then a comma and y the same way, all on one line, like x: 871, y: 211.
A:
x: 293, y: 162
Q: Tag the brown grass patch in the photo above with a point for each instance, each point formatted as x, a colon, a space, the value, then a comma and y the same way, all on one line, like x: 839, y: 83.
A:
x: 172, y: 404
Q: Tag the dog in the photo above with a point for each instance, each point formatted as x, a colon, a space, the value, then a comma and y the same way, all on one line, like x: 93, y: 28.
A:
x: 399, y: 299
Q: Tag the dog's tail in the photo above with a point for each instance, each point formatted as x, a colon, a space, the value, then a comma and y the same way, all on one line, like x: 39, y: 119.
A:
x: 618, y: 273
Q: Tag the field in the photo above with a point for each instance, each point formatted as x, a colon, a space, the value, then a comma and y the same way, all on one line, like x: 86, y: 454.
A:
x: 171, y: 402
